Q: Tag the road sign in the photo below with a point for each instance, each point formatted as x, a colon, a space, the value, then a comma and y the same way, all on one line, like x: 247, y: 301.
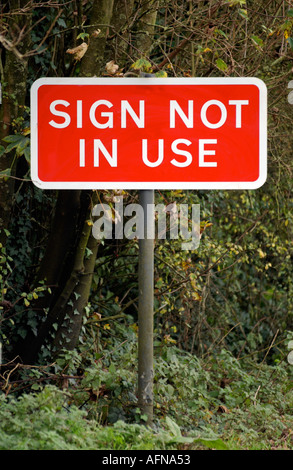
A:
x: 148, y: 133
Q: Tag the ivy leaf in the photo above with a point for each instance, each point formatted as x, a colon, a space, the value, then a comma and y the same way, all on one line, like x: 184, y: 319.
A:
x: 16, y: 141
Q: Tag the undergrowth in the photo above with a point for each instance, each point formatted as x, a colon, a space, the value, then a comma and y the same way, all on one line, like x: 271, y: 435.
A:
x: 216, y: 402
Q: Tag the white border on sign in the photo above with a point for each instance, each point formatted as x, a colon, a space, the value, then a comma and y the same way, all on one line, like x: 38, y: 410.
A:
x: 157, y: 184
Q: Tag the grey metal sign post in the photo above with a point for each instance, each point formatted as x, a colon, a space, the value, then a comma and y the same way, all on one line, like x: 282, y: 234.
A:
x: 146, y: 307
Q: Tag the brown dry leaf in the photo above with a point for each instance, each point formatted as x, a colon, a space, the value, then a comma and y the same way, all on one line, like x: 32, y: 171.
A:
x: 78, y: 51
x: 96, y: 317
x: 96, y: 33
x: 111, y: 67
x: 223, y: 409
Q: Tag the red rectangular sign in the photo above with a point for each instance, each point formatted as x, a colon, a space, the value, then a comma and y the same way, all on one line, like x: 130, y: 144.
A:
x: 148, y: 133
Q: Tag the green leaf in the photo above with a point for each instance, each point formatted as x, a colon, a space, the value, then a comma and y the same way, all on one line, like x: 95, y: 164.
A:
x: 290, y: 357
x: 235, y: 2
x: 221, y: 64
x: 173, y: 427
x: 27, y: 154
x: 290, y: 42
x: 222, y: 33
x: 290, y: 12
x: 217, y: 444
x: 257, y: 41
x: 5, y: 174
x: 82, y: 36
x: 61, y: 23
x: 243, y: 13
x: 14, y: 138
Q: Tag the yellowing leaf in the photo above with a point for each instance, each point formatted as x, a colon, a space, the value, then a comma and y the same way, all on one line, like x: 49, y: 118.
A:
x: 196, y: 296
x: 143, y: 65
x: 168, y: 339
x: 261, y: 253
x: 134, y: 327
x: 161, y: 74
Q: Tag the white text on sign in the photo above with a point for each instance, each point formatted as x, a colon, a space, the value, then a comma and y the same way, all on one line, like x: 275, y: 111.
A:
x: 102, y: 119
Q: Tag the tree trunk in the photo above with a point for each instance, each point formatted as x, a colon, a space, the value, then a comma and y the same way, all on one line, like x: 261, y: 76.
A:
x: 68, y: 333
x: 122, y: 18
x: 62, y: 235
x: 145, y: 27
x: 93, y: 60
x: 57, y: 316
